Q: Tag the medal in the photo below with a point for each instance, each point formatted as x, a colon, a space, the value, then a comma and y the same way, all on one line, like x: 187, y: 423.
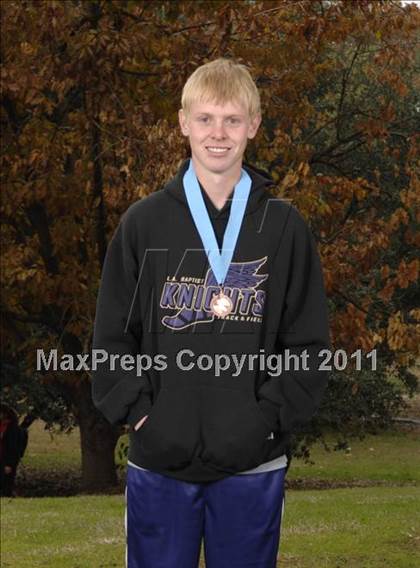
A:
x: 221, y: 305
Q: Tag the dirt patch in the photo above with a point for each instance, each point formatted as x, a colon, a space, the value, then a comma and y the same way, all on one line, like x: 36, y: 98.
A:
x: 310, y: 484
x: 31, y: 482
x: 35, y: 483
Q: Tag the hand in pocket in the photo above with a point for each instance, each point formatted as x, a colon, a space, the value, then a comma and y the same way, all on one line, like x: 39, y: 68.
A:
x: 140, y: 422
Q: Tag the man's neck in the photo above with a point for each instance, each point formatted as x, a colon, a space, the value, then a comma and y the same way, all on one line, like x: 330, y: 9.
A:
x: 217, y: 187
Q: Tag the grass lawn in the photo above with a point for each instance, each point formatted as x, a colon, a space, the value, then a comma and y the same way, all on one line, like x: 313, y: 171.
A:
x: 391, y: 457
x: 52, y: 451
x: 376, y: 526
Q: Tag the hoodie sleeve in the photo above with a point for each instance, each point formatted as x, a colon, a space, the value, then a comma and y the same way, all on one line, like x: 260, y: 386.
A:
x: 119, y: 394
x: 292, y: 398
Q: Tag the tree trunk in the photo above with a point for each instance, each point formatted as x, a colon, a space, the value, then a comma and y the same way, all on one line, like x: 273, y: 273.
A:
x: 98, y: 439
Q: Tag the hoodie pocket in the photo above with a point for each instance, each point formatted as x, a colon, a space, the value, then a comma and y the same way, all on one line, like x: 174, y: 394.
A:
x: 234, y: 431
x: 169, y: 436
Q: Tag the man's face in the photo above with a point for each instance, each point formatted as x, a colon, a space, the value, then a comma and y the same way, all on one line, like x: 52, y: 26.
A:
x: 226, y: 127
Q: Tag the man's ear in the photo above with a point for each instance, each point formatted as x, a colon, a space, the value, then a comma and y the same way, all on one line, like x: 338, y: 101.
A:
x: 254, y: 125
x: 183, y: 123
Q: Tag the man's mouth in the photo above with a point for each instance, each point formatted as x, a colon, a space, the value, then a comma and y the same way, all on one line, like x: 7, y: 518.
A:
x: 218, y: 150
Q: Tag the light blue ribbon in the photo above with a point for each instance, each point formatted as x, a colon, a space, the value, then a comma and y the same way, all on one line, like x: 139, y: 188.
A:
x: 219, y: 262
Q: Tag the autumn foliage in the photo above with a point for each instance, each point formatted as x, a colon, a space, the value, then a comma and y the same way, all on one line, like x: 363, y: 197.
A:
x: 90, y: 94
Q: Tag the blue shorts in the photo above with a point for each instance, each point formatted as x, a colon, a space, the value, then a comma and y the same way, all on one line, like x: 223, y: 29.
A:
x: 238, y: 517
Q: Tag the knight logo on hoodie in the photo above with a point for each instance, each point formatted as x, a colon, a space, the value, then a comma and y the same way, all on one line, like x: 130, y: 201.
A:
x: 191, y: 300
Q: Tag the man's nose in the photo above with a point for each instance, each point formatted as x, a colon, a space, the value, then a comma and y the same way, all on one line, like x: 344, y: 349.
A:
x: 218, y: 130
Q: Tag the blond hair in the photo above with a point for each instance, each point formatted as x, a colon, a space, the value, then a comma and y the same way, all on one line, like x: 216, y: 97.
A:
x: 221, y: 81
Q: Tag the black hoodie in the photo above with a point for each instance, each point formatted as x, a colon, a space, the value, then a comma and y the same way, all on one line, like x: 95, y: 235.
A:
x: 154, y: 301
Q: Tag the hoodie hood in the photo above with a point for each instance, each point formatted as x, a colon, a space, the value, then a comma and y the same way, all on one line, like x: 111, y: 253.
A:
x: 261, y: 180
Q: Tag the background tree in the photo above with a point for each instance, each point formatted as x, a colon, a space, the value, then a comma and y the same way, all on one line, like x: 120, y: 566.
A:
x: 90, y: 93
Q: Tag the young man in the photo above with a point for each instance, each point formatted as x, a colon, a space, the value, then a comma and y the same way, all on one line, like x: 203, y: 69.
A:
x: 203, y: 281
